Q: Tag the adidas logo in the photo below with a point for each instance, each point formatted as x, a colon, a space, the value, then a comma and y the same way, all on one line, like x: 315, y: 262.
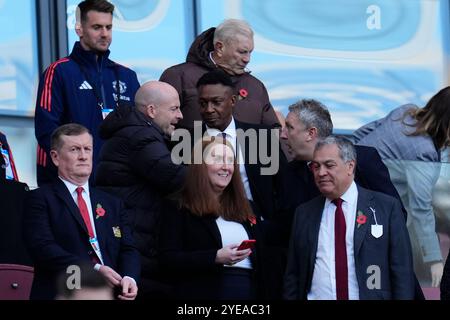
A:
x: 85, y: 86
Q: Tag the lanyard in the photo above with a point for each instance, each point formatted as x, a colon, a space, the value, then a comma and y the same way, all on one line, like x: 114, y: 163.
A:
x: 99, y: 94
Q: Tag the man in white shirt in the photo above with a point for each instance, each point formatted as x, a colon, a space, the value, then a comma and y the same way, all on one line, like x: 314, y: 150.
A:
x: 348, y: 243
x: 68, y: 223
x: 258, y: 149
x: 260, y: 162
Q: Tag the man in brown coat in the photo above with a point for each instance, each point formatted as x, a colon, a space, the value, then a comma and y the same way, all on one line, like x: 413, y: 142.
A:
x: 227, y: 47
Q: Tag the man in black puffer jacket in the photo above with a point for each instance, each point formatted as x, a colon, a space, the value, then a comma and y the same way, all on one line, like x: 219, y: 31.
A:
x: 135, y: 164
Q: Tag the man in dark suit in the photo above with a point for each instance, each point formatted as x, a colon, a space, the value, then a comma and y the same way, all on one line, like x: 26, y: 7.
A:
x: 348, y: 243
x: 306, y: 123
x: 69, y: 222
x: 257, y: 146
x: 260, y: 161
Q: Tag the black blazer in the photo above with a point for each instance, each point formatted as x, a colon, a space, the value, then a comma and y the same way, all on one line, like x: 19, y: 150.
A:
x: 57, y: 237
x: 12, y: 201
x: 266, y: 189
x: 391, y: 252
x: 188, y: 248
x: 370, y: 173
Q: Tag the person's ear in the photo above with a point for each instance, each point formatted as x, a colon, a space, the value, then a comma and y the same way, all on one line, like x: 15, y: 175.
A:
x: 312, y: 134
x: 233, y: 100
x: 78, y: 29
x: 55, y: 158
x: 218, y: 48
x: 351, y: 167
x: 151, y: 111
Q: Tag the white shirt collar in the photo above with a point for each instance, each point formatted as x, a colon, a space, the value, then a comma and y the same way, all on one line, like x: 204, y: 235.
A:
x: 349, y: 196
x: 72, y: 187
x: 211, y: 57
x: 230, y: 130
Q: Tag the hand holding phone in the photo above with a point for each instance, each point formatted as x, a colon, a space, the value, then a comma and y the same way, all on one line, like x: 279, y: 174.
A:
x: 247, y: 244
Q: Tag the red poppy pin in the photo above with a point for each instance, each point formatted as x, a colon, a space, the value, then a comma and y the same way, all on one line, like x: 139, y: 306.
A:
x: 361, y: 218
x: 242, y: 94
x: 252, y: 220
x: 99, y: 211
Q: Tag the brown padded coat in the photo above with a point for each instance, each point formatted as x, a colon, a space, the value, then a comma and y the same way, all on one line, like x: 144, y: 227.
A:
x: 255, y: 108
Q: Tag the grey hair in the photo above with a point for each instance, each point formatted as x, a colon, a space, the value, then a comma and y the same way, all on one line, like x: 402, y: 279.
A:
x: 346, y: 148
x: 229, y: 28
x: 312, y: 113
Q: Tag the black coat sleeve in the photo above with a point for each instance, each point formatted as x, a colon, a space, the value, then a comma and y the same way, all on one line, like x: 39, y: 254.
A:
x: 371, y: 173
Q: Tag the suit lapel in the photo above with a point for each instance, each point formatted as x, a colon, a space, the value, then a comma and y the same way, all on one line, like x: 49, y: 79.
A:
x: 63, y: 193
x: 211, y: 225
x: 246, y: 148
x: 313, y: 234
x: 100, y: 223
x: 365, y: 201
x: 252, y: 170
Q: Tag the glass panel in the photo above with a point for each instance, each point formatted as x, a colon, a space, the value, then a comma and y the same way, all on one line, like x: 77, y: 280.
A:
x: 21, y: 140
x: 361, y: 58
x: 424, y: 188
x: 18, y: 57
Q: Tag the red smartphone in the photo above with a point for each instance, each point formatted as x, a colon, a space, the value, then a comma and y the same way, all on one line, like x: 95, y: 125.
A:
x: 247, y: 244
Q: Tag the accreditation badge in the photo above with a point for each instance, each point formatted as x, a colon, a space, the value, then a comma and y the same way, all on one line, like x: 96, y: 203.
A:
x: 8, y: 168
x: 96, y: 247
x: 117, y: 232
x: 105, y: 112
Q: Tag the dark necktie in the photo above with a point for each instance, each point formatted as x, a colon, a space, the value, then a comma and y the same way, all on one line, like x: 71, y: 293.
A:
x: 84, y: 211
x: 223, y: 135
x: 340, y: 249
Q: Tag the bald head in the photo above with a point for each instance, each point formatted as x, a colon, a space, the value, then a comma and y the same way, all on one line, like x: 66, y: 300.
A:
x: 154, y: 92
x: 159, y: 101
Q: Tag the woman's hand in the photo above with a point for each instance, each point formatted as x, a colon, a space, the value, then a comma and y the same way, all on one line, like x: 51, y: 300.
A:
x: 229, y: 255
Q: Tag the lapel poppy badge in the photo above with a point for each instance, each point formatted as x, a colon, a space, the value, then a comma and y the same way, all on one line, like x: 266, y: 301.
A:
x: 99, y: 211
x: 242, y: 94
x: 361, y: 218
x: 252, y: 220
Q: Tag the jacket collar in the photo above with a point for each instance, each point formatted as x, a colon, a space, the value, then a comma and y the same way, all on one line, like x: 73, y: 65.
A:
x: 365, y: 202
x: 63, y: 193
x: 101, y: 225
x: 199, y: 52
x: 89, y: 58
x: 210, y: 223
x: 149, y: 121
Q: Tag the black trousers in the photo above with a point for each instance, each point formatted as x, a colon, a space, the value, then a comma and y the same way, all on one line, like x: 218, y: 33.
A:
x: 237, y: 284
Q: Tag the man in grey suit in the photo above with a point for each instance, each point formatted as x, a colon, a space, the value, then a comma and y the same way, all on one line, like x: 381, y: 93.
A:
x: 348, y: 243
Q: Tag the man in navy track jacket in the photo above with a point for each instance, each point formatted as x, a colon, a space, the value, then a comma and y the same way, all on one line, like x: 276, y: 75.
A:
x: 83, y: 87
